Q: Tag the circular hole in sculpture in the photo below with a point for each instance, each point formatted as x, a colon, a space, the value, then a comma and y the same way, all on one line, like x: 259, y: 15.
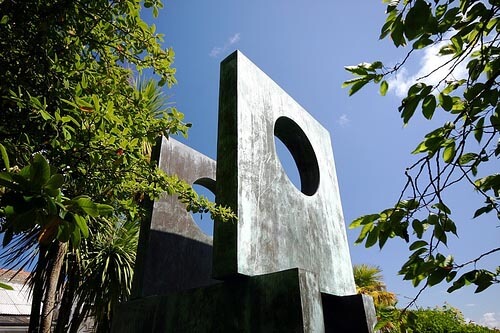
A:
x: 287, y: 162
x: 293, y: 139
x: 205, y: 187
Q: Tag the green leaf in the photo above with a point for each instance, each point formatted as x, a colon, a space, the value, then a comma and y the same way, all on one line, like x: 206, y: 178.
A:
x: 386, y: 28
x: 495, y: 121
x: 441, y: 207
x: 408, y: 108
x: 87, y: 205
x: 449, y: 153
x: 375, y: 65
x: 466, y: 158
x: 356, y: 86
x: 55, y: 182
x: 364, y: 220
x: 45, y: 115
x: 418, y: 244
x: 76, y: 237
x: 451, y: 276
x: 422, y: 42
x: 104, y: 209
x: 364, y: 232
x: 358, y: 70
x: 383, y: 88
x: 483, y: 280
x: 432, y: 219
x: 415, y: 89
x: 82, y: 225
x: 417, y: 17
x: 429, y: 106
x: 449, y: 19
x: 383, y: 237
x: 39, y: 170
x: 449, y: 225
x: 397, y: 32
x: 452, y: 86
x: 440, y: 234
x: 483, y: 286
x: 477, y: 10
x: 445, y: 101
x: 5, y: 157
x: 437, y: 276
x: 418, y: 227
x: 457, y: 43
x: 372, y: 237
x: 4, y: 19
x: 478, y: 130
x: 51, y: 206
x: 483, y: 210
x: 441, y: 10
x: 430, y: 145
x: 5, y: 286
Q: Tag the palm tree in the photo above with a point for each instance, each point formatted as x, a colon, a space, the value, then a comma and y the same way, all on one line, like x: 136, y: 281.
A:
x: 106, y: 266
x: 368, y: 281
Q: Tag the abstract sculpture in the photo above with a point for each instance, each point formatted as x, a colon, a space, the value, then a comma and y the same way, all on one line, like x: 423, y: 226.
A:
x: 284, y: 266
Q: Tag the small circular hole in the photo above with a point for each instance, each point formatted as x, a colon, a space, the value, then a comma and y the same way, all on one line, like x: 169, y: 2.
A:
x: 204, y: 187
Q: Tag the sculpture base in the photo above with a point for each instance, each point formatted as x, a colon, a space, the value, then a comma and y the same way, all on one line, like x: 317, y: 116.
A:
x: 286, y: 301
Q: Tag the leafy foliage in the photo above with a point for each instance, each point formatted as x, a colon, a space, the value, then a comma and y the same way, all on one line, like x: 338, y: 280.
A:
x: 437, y: 320
x: 368, y: 281
x: 467, y: 32
x: 33, y: 200
x: 76, y: 131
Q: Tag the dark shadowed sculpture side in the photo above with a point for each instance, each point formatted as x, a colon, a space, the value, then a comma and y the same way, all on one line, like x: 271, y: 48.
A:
x: 173, y: 253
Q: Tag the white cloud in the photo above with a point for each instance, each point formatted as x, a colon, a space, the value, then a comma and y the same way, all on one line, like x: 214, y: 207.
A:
x: 217, y: 50
x: 343, y: 120
x: 402, y: 81
x: 489, y: 319
x: 234, y: 39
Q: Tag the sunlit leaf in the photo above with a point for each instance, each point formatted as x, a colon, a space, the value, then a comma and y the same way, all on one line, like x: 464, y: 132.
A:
x: 5, y: 157
x: 449, y: 153
x: 383, y: 88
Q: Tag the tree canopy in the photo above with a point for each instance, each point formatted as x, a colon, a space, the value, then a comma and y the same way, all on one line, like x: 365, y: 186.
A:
x: 77, y: 124
x: 461, y: 150
x: 440, y: 319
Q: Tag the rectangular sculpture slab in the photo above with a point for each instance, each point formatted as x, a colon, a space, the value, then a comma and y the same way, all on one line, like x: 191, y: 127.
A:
x: 279, y: 226
x: 173, y: 253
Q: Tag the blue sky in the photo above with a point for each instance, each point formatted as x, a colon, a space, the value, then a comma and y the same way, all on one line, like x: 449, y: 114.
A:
x: 303, y: 46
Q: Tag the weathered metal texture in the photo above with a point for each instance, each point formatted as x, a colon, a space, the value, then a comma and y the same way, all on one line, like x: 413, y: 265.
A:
x: 267, y: 303
x: 173, y: 253
x: 279, y: 227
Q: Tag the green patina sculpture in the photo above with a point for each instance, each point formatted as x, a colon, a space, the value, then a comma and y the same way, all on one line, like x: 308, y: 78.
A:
x: 285, y: 265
